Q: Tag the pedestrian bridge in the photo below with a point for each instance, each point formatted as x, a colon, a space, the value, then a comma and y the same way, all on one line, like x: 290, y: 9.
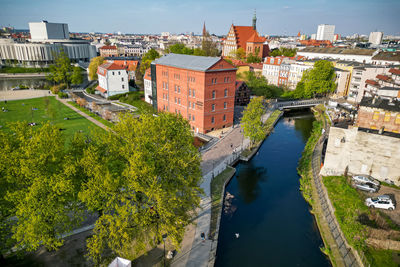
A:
x: 298, y: 103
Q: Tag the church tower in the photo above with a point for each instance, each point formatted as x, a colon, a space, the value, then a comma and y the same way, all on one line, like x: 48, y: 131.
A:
x: 254, y: 21
x: 204, y: 29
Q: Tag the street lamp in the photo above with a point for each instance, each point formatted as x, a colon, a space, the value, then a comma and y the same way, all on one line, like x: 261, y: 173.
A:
x: 164, y: 237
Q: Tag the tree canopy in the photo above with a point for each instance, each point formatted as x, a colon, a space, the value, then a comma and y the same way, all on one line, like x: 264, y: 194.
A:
x: 316, y: 82
x: 61, y: 71
x: 147, y: 58
x: 143, y: 179
x: 259, y: 86
x: 283, y: 51
x: 93, y: 66
x: 39, y: 183
x: 252, y: 124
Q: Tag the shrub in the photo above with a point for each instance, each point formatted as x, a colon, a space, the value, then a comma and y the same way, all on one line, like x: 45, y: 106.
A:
x: 62, y: 95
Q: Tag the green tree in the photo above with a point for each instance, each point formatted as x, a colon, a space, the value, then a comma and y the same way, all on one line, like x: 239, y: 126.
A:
x: 151, y: 55
x: 316, y: 82
x: 93, y: 66
x: 209, y: 47
x: 61, y: 70
x: 76, y: 77
x: 39, y: 183
x: 144, y: 182
x: 259, y: 86
x: 238, y: 54
x: 252, y: 124
x: 283, y: 51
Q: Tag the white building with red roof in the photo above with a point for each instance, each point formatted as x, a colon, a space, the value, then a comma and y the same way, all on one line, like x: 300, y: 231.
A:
x: 113, y: 79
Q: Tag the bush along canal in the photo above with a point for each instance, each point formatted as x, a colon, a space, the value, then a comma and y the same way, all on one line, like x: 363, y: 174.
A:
x: 265, y: 220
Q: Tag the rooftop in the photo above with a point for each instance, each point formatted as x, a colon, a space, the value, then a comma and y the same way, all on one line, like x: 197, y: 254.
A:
x: 198, y: 63
x: 395, y: 71
x: 389, y: 56
x: 380, y: 104
x: 108, y: 47
x: 338, y: 50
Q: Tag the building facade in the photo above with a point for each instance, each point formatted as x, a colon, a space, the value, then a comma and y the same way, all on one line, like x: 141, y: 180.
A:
x: 242, y: 94
x: 113, y: 79
x: 48, y: 40
x: 200, y: 89
x: 379, y: 114
x: 109, y: 51
x: 326, y: 32
x: 148, y: 91
x: 375, y: 38
x: 359, y: 152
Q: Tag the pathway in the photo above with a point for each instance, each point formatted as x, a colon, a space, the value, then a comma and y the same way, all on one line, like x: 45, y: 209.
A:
x: 64, y: 101
x: 197, y: 253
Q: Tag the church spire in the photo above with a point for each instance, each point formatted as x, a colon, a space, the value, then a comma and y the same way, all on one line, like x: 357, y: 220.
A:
x: 204, y: 29
x: 254, y: 20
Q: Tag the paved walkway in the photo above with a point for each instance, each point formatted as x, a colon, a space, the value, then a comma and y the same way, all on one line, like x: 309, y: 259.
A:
x: 65, y: 102
x: 23, y: 94
x: 199, y: 251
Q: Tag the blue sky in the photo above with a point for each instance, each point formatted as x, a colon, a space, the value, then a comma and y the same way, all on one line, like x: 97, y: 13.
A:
x: 155, y: 16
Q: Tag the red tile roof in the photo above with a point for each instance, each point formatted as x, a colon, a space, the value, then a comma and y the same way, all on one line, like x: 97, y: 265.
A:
x: 130, y: 65
x: 244, y: 33
x: 372, y: 82
x: 238, y: 63
x: 383, y: 77
x: 101, y: 89
x: 147, y: 74
x: 256, y: 39
x: 256, y: 65
x: 109, y: 65
x: 395, y: 71
x: 108, y: 47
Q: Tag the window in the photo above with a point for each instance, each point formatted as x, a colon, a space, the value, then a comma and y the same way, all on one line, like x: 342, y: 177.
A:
x: 212, y: 119
x: 397, y: 121
x: 224, y: 118
x: 113, y: 73
x: 225, y: 92
x: 376, y: 116
x: 213, y: 107
x: 175, y: 88
x: 119, y: 73
x: 194, y: 93
x: 123, y: 86
x: 179, y: 89
x: 213, y: 94
x: 190, y: 92
x: 190, y: 117
x: 387, y: 117
x: 122, y: 79
x: 193, y: 105
x: 225, y: 105
x: 176, y: 101
x: 193, y: 117
x: 179, y: 101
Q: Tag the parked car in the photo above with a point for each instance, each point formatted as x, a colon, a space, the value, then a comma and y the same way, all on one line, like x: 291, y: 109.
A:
x: 380, y: 202
x: 364, y: 179
x: 367, y: 187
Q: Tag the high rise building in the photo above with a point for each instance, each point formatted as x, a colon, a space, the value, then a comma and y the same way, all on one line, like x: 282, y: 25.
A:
x: 325, y: 32
x: 375, y: 38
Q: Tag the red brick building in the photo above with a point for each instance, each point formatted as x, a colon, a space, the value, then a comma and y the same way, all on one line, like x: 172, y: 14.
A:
x: 201, y: 89
x: 108, y: 51
x: 379, y: 114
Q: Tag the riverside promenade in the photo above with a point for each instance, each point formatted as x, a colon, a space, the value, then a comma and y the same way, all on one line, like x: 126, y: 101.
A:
x: 195, y: 252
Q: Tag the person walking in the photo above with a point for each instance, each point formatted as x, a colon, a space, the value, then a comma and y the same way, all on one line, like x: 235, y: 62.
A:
x: 203, y: 237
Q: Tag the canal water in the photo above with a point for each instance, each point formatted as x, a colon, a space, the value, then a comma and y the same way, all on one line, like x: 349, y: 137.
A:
x: 268, y: 211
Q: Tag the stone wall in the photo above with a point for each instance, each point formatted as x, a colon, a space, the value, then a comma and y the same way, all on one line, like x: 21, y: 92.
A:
x: 362, y: 153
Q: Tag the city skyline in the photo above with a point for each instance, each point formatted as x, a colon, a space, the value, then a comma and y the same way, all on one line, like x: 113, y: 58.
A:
x: 273, y: 17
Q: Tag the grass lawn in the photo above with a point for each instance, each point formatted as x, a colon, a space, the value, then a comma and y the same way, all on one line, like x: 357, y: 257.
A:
x: 21, y: 110
x: 135, y: 99
x: 91, y: 114
x: 22, y: 70
x: 217, y: 186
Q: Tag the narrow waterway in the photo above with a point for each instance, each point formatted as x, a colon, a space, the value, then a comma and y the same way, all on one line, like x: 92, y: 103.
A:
x: 268, y: 212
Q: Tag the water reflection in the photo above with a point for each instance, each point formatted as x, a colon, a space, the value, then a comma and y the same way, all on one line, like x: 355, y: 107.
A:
x: 249, y: 182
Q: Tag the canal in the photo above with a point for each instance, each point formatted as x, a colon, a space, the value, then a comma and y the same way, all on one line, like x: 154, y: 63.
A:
x: 268, y: 211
